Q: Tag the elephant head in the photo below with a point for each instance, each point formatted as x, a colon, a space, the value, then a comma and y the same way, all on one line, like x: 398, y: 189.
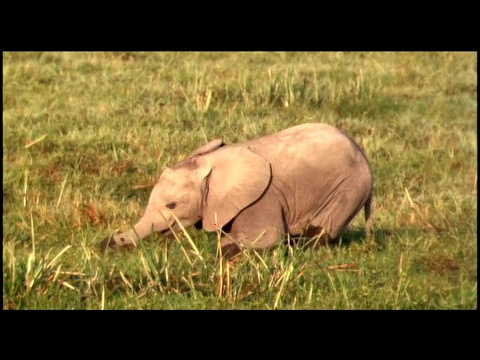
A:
x: 212, y: 184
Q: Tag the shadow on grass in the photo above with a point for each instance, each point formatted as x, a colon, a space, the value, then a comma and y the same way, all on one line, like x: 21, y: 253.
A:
x: 380, y: 237
x: 358, y: 235
x: 351, y: 236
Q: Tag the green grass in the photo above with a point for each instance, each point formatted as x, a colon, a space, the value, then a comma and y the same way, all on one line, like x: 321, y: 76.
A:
x: 85, y: 135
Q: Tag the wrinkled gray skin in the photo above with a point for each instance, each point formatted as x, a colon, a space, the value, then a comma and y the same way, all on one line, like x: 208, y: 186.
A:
x: 299, y: 181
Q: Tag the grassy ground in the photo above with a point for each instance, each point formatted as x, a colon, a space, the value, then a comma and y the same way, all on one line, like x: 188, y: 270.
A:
x: 85, y: 135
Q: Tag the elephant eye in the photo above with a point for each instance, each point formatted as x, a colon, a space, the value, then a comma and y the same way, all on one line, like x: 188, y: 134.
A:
x: 171, y: 205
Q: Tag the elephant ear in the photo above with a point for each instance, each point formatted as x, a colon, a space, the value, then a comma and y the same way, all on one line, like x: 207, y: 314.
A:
x: 238, y: 177
x: 211, y: 146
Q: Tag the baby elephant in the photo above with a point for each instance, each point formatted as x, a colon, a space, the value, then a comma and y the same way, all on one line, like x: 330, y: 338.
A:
x: 308, y: 180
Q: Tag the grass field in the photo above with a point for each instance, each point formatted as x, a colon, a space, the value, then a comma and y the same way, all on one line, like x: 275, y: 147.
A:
x: 85, y: 135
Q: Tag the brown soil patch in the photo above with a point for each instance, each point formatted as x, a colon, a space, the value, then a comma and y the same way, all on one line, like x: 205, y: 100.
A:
x: 91, y: 214
x: 440, y: 263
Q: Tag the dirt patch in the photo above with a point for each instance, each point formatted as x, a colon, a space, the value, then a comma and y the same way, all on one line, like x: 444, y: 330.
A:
x: 442, y: 264
x: 119, y: 167
x: 90, y: 165
x: 90, y: 214
x: 51, y: 172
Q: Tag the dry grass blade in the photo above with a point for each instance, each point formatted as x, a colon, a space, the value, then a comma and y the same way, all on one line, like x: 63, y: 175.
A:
x: 125, y: 280
x: 102, y: 303
x: 35, y: 141
x: 345, y: 267
x: 229, y: 281
x: 332, y: 283
x: 25, y: 187
x: 190, y: 285
x: 410, y: 201
x: 61, y: 190
x: 220, y: 265
x: 190, y: 241
x: 32, y: 232
x: 67, y: 285
x: 51, y: 263
x: 284, y: 279
x: 260, y: 259
x: 177, y: 239
x: 144, y: 186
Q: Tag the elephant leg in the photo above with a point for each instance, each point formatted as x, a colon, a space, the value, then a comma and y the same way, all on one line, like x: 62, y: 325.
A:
x: 335, y: 218
x: 259, y: 226
x: 233, y: 243
x: 257, y: 240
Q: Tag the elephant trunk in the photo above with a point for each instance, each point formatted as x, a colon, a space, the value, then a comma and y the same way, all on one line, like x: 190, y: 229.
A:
x: 131, y: 237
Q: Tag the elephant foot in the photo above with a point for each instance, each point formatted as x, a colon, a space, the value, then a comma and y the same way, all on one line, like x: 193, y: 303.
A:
x: 230, y: 249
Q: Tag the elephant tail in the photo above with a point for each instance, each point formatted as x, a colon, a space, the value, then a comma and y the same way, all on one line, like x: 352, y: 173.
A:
x: 368, y: 215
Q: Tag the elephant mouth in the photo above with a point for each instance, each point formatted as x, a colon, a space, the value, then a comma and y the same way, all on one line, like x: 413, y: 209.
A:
x: 165, y: 232
x: 168, y: 230
x: 174, y: 228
